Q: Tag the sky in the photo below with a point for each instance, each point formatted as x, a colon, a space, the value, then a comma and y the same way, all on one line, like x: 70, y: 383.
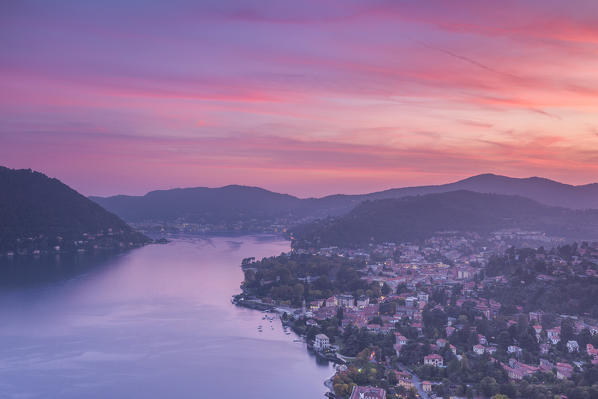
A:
x: 302, y: 97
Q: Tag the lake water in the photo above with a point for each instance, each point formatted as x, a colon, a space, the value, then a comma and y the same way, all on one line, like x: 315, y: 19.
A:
x: 156, y: 322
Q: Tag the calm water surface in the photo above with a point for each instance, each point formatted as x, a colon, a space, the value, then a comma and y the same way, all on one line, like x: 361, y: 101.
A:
x: 156, y: 322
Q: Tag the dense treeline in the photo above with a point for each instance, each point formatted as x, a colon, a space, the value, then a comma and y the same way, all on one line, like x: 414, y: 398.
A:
x: 535, y: 283
x: 296, y: 277
x: 571, y: 295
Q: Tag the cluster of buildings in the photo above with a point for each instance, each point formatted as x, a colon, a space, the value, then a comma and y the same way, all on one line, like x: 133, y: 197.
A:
x: 456, y: 263
x: 446, y: 259
x: 185, y: 226
x: 451, y: 261
x: 40, y: 244
x: 358, y: 311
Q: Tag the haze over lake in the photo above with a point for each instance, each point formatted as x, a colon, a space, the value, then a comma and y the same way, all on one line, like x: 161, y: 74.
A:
x: 155, y: 322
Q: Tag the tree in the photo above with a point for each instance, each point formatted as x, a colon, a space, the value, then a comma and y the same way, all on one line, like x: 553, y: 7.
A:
x: 567, y: 329
x: 508, y: 389
x: 489, y: 386
x: 392, y: 378
x: 339, y: 314
x: 385, y: 289
x: 298, y: 290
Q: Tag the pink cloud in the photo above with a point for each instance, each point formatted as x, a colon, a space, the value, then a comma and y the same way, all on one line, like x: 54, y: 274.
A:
x: 289, y: 165
x: 338, y: 96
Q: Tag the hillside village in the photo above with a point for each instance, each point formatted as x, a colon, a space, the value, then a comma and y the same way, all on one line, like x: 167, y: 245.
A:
x: 439, y: 320
x: 41, y: 244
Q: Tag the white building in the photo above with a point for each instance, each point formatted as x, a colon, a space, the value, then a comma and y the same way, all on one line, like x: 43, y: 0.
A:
x: 434, y: 360
x: 363, y: 301
x: 554, y: 335
x: 321, y: 342
x: 422, y: 297
x: 332, y: 301
x: 482, y: 340
x: 411, y: 301
x: 401, y: 340
x: 479, y: 349
x: 514, y: 349
x: 572, y: 346
x: 346, y: 301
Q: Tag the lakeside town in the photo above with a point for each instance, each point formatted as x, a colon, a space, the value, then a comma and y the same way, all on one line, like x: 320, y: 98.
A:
x: 508, y: 315
x: 102, y: 240
x: 249, y: 226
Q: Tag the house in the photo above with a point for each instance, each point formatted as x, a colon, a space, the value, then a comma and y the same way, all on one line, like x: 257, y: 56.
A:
x: 514, y: 374
x: 453, y: 349
x: 482, y: 340
x: 346, y: 301
x: 514, y: 349
x: 463, y: 274
x: 517, y: 370
x: 332, y: 301
x: 427, y: 386
x: 410, y: 301
x: 363, y: 301
x: 401, y: 340
x: 572, y: 346
x: 321, y: 342
x: 434, y: 360
x: 564, y: 371
x: 537, y: 316
x: 325, y: 312
x: 367, y: 392
x: 441, y: 342
x: 317, y: 304
x: 404, y: 379
x: 479, y: 349
x: 449, y: 331
x: 544, y: 348
x: 554, y: 335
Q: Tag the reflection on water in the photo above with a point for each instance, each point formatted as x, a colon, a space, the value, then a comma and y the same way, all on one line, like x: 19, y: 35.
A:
x: 155, y: 322
x: 26, y: 271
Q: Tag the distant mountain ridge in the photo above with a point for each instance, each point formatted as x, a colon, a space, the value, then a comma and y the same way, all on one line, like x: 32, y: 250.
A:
x: 36, y: 210
x: 543, y: 190
x: 210, y: 205
x: 416, y: 218
x: 235, y: 202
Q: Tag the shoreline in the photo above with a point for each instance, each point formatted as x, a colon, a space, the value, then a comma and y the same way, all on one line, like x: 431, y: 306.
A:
x: 256, y: 304
x: 329, y: 384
